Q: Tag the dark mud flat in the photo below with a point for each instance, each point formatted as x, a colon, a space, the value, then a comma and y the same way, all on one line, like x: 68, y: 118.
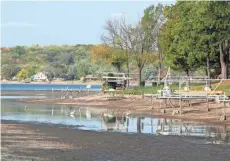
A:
x: 27, y: 141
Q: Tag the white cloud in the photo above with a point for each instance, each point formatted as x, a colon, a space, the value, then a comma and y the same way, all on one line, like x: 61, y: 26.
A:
x: 18, y: 24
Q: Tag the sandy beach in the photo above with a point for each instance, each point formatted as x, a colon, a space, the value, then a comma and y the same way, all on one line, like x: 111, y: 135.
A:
x: 26, y: 141
x: 136, y: 105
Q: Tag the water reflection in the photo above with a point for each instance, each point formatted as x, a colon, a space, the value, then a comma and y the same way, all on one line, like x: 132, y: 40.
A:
x: 115, y: 122
x: 92, y: 119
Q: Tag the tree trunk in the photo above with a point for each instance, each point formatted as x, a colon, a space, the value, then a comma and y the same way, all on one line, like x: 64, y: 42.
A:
x: 159, y: 68
x: 118, y: 66
x: 119, y: 69
x: 159, y: 74
x: 139, y: 70
x: 224, y: 60
x: 208, y: 68
x: 188, y: 80
x: 126, y: 50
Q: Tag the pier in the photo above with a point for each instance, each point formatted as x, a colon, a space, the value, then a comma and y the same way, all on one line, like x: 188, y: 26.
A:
x: 167, y: 96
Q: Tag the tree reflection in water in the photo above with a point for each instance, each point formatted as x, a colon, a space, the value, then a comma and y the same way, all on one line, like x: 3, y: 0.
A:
x: 115, y: 122
x: 121, y: 123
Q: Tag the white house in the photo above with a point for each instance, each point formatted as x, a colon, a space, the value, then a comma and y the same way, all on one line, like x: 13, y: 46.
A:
x: 39, y: 77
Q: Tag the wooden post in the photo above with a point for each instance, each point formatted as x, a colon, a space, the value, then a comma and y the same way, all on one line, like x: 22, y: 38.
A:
x: 180, y: 105
x: 218, y: 101
x: 160, y: 103
x: 152, y: 99
x: 224, y: 117
x: 207, y: 101
x: 224, y: 108
x: 143, y: 93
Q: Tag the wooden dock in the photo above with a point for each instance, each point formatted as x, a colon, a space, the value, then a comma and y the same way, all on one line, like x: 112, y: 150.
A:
x: 188, y: 98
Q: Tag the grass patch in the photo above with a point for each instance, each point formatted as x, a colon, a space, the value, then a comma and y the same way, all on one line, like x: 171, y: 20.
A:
x: 224, y: 86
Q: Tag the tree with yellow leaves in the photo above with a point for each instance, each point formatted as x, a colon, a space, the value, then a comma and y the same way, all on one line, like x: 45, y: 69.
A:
x: 23, y: 74
x: 111, y: 55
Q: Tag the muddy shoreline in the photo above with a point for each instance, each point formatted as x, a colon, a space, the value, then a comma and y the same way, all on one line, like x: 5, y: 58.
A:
x: 136, y: 105
x: 27, y: 141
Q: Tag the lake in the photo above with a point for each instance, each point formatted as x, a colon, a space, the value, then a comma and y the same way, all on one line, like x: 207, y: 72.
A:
x: 48, y: 87
x: 88, y: 118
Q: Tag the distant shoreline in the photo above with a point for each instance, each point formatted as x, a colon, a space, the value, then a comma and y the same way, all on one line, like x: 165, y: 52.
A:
x: 55, y: 82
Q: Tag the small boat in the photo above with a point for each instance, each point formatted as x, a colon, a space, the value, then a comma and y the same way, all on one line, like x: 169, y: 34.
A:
x: 109, y: 117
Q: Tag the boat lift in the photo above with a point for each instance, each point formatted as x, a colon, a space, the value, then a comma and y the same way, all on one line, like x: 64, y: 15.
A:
x: 187, y: 96
x: 115, y: 79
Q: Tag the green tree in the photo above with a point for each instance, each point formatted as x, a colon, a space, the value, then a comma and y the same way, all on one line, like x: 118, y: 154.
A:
x: 214, y: 29
x: 9, y: 70
x: 174, y: 39
x: 32, y: 70
x: 206, y: 24
x: 55, y: 59
x: 195, y: 32
x: 66, y: 58
x: 23, y: 74
x: 49, y: 73
x: 152, y: 22
x: 72, y: 73
x: 20, y: 50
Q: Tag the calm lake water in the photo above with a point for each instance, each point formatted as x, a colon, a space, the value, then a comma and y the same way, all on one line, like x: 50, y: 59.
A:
x: 87, y: 118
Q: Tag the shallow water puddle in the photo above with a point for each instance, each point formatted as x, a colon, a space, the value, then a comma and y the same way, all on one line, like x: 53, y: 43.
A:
x: 87, y: 118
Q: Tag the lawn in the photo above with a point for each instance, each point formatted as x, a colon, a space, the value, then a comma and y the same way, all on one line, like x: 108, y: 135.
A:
x: 224, y: 86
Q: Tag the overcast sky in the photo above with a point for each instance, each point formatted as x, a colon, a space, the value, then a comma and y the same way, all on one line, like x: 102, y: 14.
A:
x: 45, y: 23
